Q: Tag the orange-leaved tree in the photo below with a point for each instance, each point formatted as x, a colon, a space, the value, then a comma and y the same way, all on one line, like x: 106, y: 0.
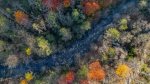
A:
x: 90, y: 7
x: 96, y: 72
x: 68, y: 78
x: 21, y: 17
x: 66, y: 3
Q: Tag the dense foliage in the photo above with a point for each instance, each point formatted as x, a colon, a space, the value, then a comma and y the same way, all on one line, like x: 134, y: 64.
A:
x: 43, y: 27
x: 33, y: 30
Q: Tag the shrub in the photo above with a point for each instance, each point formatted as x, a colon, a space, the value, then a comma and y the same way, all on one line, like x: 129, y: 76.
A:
x: 39, y: 82
x: 83, y: 71
x: 123, y: 70
x: 123, y: 24
x: 104, y: 57
x: 145, y: 68
x: 45, y: 47
x: 65, y: 33
x: 131, y: 53
x: 86, y: 25
x: 123, y: 21
x: 123, y: 27
x: 2, y: 21
x: 28, y: 51
x: 111, y: 52
x: 113, y: 33
x: 28, y: 76
x: 39, y: 26
x: 3, y: 24
x: 51, y: 19
x: 75, y: 14
x: 143, y: 3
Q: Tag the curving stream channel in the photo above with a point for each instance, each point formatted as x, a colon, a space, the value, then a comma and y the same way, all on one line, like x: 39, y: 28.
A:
x: 67, y: 57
